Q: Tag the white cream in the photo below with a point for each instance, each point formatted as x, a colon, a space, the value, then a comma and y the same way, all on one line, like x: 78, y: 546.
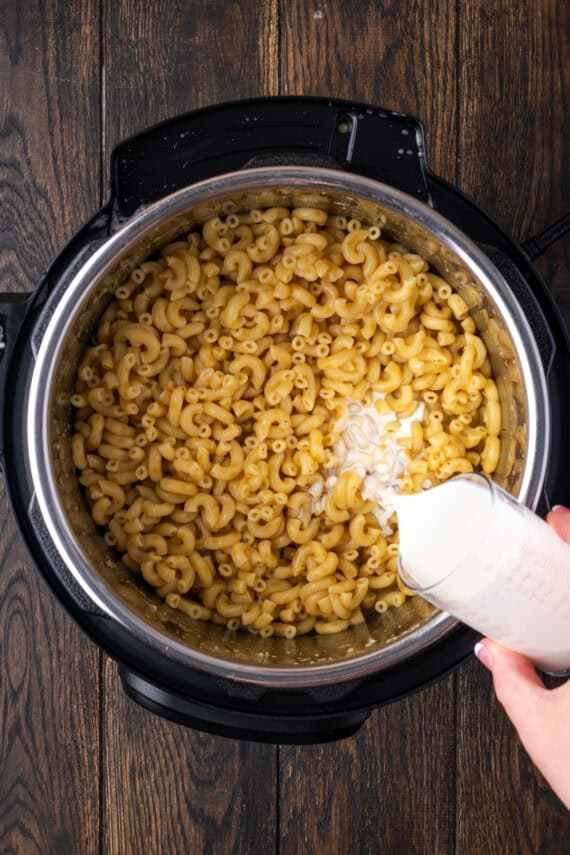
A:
x: 492, y: 564
x: 366, y: 447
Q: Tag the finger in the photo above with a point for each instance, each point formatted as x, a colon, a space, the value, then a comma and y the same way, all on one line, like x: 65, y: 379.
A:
x: 559, y: 519
x: 517, y: 685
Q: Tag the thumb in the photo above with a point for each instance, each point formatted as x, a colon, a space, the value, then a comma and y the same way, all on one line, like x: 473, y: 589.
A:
x: 559, y: 519
x: 517, y: 685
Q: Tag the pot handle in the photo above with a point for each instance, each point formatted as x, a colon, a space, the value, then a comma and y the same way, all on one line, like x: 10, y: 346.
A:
x: 13, y: 308
x: 287, y: 729
x: 537, y: 246
x: 224, y: 138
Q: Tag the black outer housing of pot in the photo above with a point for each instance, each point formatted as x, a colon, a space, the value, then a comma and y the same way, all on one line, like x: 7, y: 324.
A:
x: 187, y: 149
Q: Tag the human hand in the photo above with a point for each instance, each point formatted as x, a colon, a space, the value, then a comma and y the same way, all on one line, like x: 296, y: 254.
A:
x: 540, y: 716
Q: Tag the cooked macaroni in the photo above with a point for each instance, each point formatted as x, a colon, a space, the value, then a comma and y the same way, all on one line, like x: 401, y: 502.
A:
x: 210, y: 409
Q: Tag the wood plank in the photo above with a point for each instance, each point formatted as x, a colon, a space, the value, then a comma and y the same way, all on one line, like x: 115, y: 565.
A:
x: 398, y: 55
x: 173, y: 790
x: 514, y: 80
x: 49, y: 708
x: 552, y: 203
x: 515, y: 84
x: 177, y: 56
x: 163, y: 59
x: 388, y: 789
x: 380, y: 790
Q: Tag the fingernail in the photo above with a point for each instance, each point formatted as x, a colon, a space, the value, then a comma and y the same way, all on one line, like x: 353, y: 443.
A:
x: 557, y: 509
x: 483, y: 654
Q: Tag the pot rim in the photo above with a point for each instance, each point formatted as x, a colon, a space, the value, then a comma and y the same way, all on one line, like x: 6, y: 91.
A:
x: 70, y: 302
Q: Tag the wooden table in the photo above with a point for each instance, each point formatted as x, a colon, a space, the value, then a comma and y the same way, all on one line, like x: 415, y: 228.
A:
x: 82, y: 769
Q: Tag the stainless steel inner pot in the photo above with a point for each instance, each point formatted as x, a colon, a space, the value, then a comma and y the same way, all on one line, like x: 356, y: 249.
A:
x: 65, y: 327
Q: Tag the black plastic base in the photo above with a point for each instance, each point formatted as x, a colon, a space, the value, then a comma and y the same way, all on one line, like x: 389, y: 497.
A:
x: 251, y: 725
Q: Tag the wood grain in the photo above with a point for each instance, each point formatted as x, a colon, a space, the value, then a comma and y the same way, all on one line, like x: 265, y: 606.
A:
x: 383, y: 789
x: 515, y: 82
x: 173, y: 790
x: 163, y: 59
x: 554, y: 99
x: 49, y: 672
x: 400, y: 55
x: 389, y: 789
x: 169, y: 789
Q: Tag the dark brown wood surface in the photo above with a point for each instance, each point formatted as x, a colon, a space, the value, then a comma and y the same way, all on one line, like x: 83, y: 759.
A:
x: 82, y: 769
x: 49, y: 672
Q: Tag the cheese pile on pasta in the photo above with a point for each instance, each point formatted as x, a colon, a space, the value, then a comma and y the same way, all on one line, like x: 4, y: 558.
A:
x: 210, y: 411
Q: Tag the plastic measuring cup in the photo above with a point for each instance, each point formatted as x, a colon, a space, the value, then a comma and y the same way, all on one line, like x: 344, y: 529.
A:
x: 472, y: 550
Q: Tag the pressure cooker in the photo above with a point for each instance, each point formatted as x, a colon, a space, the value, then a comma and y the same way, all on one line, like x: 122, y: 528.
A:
x: 352, y: 159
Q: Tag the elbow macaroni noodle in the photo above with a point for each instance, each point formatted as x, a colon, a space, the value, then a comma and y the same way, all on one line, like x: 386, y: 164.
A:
x: 209, y: 408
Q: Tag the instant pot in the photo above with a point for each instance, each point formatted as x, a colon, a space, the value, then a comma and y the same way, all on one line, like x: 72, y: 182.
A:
x: 351, y: 159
